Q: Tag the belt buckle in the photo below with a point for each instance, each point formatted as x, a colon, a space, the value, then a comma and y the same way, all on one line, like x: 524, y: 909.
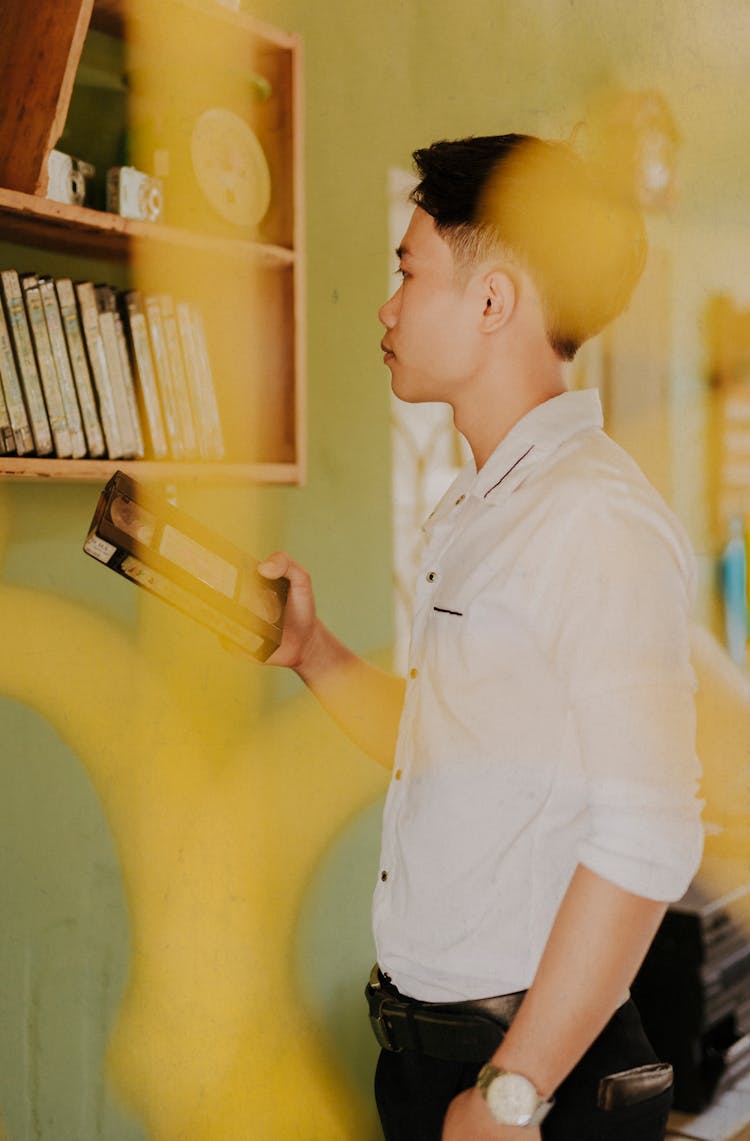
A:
x: 382, y: 1031
x: 377, y: 1000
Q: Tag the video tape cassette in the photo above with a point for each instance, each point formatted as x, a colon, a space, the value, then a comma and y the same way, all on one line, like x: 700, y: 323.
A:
x: 142, y: 536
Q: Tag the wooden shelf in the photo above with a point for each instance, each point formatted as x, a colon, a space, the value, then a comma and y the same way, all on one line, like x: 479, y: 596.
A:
x: 99, y: 471
x: 35, y: 221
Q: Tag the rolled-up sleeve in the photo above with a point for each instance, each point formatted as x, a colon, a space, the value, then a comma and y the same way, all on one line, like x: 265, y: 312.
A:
x: 623, y: 649
x: 638, y: 750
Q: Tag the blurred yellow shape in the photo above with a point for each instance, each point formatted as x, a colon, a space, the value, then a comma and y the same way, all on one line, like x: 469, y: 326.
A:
x: 217, y: 839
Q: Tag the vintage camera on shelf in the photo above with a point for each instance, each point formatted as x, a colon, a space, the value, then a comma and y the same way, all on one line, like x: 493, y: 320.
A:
x: 133, y: 194
x: 67, y: 176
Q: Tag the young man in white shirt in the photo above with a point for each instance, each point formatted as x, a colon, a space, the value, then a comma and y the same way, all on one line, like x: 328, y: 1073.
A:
x: 542, y: 808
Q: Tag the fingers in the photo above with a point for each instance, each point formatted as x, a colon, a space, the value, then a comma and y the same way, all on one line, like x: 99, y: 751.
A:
x: 275, y: 565
x: 299, y: 610
x: 279, y: 565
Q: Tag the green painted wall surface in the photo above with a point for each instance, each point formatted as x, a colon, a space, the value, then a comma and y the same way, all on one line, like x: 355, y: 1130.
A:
x: 380, y: 80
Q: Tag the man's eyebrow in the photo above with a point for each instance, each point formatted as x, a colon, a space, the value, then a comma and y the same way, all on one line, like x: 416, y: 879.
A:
x: 402, y: 252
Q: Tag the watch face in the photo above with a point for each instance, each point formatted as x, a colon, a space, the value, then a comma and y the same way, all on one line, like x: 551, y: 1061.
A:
x: 512, y: 1099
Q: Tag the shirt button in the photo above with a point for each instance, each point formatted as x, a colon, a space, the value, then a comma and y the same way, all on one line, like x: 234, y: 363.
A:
x: 397, y: 775
x: 384, y: 876
x: 413, y: 673
x: 431, y: 576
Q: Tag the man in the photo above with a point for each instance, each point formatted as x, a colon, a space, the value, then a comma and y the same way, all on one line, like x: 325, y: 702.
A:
x: 542, y: 807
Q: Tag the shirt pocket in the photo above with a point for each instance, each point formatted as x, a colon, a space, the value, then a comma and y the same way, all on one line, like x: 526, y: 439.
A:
x: 491, y: 688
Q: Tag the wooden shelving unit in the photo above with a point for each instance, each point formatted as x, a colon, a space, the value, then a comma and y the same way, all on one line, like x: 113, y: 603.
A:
x: 248, y: 281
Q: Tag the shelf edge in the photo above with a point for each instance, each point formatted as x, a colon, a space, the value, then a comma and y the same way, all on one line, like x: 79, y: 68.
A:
x: 111, y: 230
x: 14, y: 468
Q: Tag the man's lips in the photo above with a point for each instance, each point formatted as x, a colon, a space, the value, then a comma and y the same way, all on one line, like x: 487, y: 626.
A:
x: 387, y: 350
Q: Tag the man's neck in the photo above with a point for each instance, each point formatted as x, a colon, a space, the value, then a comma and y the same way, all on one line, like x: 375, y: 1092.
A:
x: 485, y: 417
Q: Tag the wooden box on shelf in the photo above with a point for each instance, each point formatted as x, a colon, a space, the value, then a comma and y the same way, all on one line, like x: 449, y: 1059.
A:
x: 247, y: 278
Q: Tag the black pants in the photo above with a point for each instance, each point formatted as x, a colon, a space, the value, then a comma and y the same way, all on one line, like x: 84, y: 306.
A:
x: 413, y: 1091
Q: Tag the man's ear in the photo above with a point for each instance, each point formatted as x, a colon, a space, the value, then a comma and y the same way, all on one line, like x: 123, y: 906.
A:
x: 498, y: 299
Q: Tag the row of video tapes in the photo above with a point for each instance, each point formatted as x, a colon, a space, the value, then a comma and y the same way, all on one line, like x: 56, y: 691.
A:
x: 87, y: 371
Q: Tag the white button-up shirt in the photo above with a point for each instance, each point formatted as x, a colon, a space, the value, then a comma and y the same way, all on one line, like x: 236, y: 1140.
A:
x: 549, y: 713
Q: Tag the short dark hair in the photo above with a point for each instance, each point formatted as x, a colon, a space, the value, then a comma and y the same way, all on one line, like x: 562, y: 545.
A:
x: 545, y: 208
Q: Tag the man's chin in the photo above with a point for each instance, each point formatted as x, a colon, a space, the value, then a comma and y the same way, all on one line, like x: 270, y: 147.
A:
x: 409, y: 395
x: 402, y: 390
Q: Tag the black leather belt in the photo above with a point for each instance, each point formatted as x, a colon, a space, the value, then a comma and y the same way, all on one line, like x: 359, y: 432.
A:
x: 467, y: 1031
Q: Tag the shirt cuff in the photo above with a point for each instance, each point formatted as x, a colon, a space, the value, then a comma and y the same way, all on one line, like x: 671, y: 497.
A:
x: 664, y: 873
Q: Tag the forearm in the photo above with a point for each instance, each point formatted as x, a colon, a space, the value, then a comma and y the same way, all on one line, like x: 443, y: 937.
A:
x: 598, y: 940
x: 363, y: 700
x: 595, y: 947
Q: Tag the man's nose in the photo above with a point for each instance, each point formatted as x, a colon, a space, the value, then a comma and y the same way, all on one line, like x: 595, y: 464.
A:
x: 388, y: 313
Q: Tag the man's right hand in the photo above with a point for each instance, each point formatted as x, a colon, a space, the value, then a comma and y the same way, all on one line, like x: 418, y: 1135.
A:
x: 300, y: 620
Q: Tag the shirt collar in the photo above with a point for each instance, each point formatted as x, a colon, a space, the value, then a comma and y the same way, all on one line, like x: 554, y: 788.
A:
x: 535, y: 436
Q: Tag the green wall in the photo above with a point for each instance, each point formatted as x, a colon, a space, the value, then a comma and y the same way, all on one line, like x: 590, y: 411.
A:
x: 380, y: 80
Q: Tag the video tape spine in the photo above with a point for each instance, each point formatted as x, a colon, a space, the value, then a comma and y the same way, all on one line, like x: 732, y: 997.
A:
x: 27, y: 370
x: 7, y: 442
x: 195, y: 329
x: 145, y: 376
x: 95, y: 445
x: 98, y: 361
x: 107, y: 327
x: 185, y: 415
x: 129, y: 381
x: 61, y: 359
x: 164, y: 375
x: 23, y: 441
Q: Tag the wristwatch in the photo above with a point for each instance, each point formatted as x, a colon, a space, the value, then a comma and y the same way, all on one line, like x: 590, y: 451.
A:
x: 511, y: 1098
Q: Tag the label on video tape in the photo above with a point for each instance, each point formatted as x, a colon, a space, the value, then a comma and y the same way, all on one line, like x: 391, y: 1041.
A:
x: 206, y: 565
x: 99, y: 548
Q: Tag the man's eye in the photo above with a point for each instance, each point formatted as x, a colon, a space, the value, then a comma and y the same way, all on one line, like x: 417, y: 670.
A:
x: 402, y: 273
